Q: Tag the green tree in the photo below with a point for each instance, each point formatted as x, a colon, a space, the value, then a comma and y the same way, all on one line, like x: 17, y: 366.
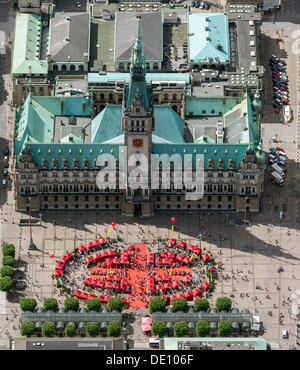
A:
x: 202, y: 328
x: 181, y: 329
x: 201, y: 304
x: 223, y: 304
x: 71, y: 304
x: 180, y: 304
x: 28, y: 304
x: 159, y: 328
x: 8, y: 261
x: 7, y: 271
x: 6, y: 284
x: 50, y: 304
x: 224, y: 328
x: 93, y: 304
x: 93, y: 329
x: 157, y: 304
x: 115, y: 304
x: 70, y: 330
x: 8, y: 250
x: 48, y: 329
x: 114, y: 329
x: 27, y: 328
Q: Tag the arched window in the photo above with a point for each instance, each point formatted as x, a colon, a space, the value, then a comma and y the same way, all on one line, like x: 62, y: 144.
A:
x: 121, y: 65
x: 174, y: 107
x: 155, y: 66
x: 55, y: 67
x: 72, y: 67
x: 166, y: 97
x: 81, y: 67
x: 64, y: 67
x: 174, y: 96
x: 102, y: 96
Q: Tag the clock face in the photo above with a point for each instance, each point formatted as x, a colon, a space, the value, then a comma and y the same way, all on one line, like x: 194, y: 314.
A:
x: 138, y: 143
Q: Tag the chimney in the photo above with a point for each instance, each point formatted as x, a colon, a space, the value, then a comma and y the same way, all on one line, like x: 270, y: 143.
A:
x: 61, y: 106
x: 71, y: 137
x: 83, y: 106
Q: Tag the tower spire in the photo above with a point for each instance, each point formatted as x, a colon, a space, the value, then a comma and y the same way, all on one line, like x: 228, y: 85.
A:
x: 137, y: 60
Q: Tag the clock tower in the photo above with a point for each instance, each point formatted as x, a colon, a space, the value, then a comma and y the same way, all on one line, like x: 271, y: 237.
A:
x: 137, y: 125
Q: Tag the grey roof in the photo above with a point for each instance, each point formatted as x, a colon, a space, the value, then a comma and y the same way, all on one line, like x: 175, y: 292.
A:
x: 151, y: 34
x: 196, y: 316
x: 69, y: 38
x: 71, y: 316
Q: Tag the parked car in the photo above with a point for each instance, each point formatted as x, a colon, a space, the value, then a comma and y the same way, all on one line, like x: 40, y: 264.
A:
x: 6, y: 151
x: 4, y: 183
x: 193, y: 3
x: 5, y: 172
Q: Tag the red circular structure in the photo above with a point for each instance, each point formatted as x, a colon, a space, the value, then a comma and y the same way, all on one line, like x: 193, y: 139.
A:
x: 173, y: 219
x: 113, y: 224
x: 51, y: 255
x: 211, y: 267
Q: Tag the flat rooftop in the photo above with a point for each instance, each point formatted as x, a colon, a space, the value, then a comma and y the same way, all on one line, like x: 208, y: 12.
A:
x: 102, y: 44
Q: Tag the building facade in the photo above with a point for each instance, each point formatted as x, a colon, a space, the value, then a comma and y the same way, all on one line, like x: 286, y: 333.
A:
x: 65, y: 163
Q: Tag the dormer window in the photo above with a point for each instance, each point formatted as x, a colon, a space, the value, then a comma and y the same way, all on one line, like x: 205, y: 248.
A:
x: 137, y: 110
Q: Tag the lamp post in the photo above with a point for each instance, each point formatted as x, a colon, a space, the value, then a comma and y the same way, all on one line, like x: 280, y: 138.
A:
x: 243, y: 244
x: 31, y: 246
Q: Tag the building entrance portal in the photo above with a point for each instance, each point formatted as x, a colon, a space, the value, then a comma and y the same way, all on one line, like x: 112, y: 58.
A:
x: 137, y: 209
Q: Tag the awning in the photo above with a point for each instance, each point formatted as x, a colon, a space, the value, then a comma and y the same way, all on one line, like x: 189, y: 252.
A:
x: 181, y: 244
x: 172, y: 241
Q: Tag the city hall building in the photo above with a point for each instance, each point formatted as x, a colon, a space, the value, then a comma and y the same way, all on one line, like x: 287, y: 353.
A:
x: 58, y: 141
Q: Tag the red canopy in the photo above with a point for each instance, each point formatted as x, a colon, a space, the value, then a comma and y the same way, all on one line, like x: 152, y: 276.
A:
x: 158, y: 261
x: 196, y: 292
x: 175, y: 283
x: 102, y: 241
x: 167, y: 285
x: 165, y: 261
x: 94, y: 243
x: 150, y: 258
x: 172, y: 241
x: 171, y: 297
x: 197, y: 250
x: 58, y: 273
x: 111, y: 253
x: 104, y: 254
x: 59, y: 265
x: 191, y: 247
x: 187, y: 278
x: 205, y: 256
x: 123, y: 284
x: 179, y: 257
x: 165, y: 279
x: 164, y: 254
x: 171, y: 255
x: 186, y: 260
x: 188, y: 295
x: 182, y: 244
x: 101, y: 283
x: 124, y: 251
x: 146, y: 327
x: 116, y: 261
x: 205, y: 286
x: 88, y: 244
x: 80, y: 247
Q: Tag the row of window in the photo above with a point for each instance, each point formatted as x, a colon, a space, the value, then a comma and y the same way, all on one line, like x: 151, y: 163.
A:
x: 76, y: 198
x: 179, y: 198
x: 87, y: 206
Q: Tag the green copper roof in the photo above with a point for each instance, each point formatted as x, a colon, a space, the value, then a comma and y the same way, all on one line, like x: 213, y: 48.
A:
x: 210, y: 151
x: 209, y: 106
x: 36, y: 119
x: 27, y: 45
x: 169, y: 126
x: 208, y: 37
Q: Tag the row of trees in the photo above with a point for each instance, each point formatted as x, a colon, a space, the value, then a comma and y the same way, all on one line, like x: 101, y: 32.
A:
x: 49, y: 329
x: 7, y: 271
x: 181, y: 329
x: 71, y: 304
x: 158, y: 304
